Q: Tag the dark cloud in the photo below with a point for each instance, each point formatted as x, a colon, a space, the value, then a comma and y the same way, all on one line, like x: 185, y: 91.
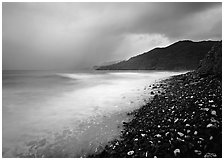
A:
x: 80, y: 35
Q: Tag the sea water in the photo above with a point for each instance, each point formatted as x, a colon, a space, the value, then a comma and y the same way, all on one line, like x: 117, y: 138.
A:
x: 69, y: 114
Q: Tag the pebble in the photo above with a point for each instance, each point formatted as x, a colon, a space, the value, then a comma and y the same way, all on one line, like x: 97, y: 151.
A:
x: 130, y: 153
x: 166, y: 134
x: 143, y: 135
x: 180, y: 134
x: 158, y: 136
x: 176, y: 120
x: 146, y: 154
x: 213, y: 120
x: 210, y: 101
x: 176, y: 151
x: 187, y: 125
x: 205, y: 109
x: 210, y: 155
x: 213, y: 113
x: 210, y: 125
x: 202, y: 139
x: 179, y: 139
x: 195, y: 132
x: 211, y: 138
x: 198, y: 152
x: 188, y: 131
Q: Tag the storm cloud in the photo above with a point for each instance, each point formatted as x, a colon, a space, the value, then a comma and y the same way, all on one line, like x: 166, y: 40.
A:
x: 81, y: 35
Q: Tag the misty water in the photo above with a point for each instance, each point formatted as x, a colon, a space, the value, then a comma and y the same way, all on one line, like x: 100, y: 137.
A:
x: 69, y: 114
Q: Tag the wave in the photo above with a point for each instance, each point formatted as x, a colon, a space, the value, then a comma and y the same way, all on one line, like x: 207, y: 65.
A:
x: 81, y: 76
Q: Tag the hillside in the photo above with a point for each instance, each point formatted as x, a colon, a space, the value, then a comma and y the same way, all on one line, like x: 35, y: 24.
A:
x: 212, y: 62
x: 182, y: 55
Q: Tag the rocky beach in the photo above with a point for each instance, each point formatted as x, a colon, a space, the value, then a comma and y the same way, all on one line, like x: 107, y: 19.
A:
x: 112, y: 80
x: 184, y: 119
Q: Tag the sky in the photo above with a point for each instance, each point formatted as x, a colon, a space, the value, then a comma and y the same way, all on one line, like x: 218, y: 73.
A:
x: 46, y: 36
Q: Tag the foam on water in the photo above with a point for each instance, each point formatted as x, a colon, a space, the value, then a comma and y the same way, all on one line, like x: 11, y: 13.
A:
x: 46, y: 115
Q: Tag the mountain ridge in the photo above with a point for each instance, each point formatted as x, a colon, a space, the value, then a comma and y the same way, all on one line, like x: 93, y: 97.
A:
x: 181, y: 55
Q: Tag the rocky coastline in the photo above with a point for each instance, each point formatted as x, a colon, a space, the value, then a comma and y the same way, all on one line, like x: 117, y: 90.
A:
x: 184, y: 119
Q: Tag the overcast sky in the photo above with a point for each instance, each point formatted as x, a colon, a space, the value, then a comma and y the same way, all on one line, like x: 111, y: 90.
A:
x: 80, y: 35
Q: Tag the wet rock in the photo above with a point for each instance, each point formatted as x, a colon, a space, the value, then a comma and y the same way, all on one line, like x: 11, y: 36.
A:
x: 158, y: 135
x: 205, y: 109
x: 130, y: 153
x: 180, y: 140
x: 213, y: 113
x: 143, y: 135
x: 176, y: 151
x: 167, y: 133
x: 180, y: 134
x: 210, y: 126
x: 198, y: 152
x: 187, y: 125
x: 210, y: 155
x: 210, y: 101
x: 202, y: 139
x: 176, y: 120
x: 213, y: 120
x: 188, y: 131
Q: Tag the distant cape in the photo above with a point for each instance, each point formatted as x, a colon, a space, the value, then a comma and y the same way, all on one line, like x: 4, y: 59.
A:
x: 182, y: 55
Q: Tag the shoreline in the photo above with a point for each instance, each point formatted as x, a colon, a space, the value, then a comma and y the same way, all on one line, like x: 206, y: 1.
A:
x: 52, y: 142
x: 184, y: 119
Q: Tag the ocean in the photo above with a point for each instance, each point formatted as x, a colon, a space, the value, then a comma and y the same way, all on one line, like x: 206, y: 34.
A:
x: 69, y: 114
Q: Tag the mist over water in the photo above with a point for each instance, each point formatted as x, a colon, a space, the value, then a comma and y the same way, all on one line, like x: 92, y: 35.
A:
x: 68, y: 114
